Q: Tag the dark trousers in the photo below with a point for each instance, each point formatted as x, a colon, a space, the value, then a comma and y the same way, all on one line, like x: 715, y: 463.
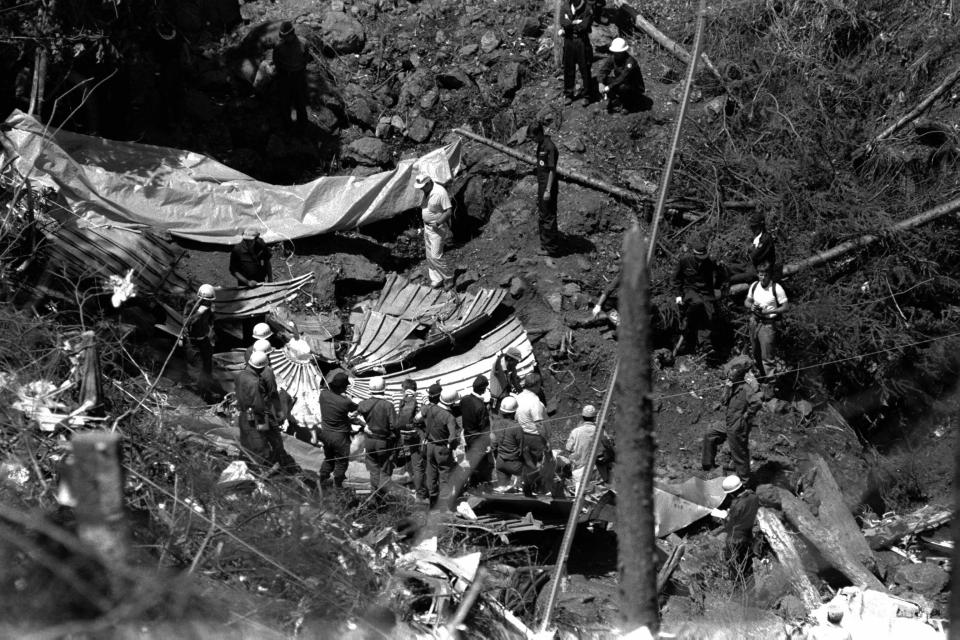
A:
x: 577, y: 54
x: 379, y: 461
x: 199, y: 357
x: 416, y: 464
x: 626, y: 97
x: 440, y: 463
x: 534, y: 451
x: 547, y: 216
x: 507, y: 470
x: 478, y: 455
x: 278, y: 454
x: 253, y: 442
x: 739, y: 442
x: 292, y: 90
x: 336, y: 454
x: 700, y: 314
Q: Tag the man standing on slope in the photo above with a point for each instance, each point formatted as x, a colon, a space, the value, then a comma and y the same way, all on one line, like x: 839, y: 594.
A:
x: 436, y: 210
x: 547, y: 190
x: 768, y: 302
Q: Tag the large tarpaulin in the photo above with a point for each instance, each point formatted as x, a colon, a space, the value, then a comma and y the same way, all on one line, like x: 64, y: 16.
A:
x: 196, y: 197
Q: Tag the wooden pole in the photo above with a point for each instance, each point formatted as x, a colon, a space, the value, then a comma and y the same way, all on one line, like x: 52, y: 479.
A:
x: 97, y: 485
x: 572, y: 176
x: 678, y: 128
x: 864, y: 241
x: 633, y: 473
x: 557, y: 38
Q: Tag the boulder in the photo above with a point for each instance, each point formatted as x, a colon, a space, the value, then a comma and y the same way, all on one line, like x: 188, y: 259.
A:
x: 341, y: 33
x: 419, y: 129
x: 504, y: 123
x: 325, y: 119
x: 925, y: 578
x: 531, y: 28
x: 489, y: 41
x: 361, y: 106
x: 357, y: 269
x: 510, y: 78
x: 367, y: 151
x: 454, y: 78
x: 473, y: 201
x: 467, y: 50
x: 414, y: 87
x: 573, y: 143
x: 429, y: 99
x: 601, y: 35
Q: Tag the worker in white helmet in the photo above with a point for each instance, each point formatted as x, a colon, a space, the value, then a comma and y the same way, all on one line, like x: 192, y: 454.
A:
x: 381, y: 436
x: 738, y: 524
x: 507, y: 443
x: 198, y: 342
x: 443, y: 437
x: 580, y: 443
x: 259, y: 421
x: 621, y: 81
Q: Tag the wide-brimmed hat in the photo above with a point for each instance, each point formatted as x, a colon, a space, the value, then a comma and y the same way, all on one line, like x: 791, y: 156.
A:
x: 619, y: 45
x: 421, y: 181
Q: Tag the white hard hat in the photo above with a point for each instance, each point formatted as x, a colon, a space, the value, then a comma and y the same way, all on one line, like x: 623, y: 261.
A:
x: 377, y: 384
x: 731, y: 484
x: 263, y: 346
x: 258, y: 360
x: 508, y: 405
x: 206, y: 292
x: 450, y: 397
x: 262, y: 331
x: 589, y: 411
x: 619, y: 45
x: 421, y: 181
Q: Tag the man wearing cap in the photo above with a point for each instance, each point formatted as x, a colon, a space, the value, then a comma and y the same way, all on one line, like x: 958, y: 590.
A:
x: 547, y: 190
x: 336, y: 427
x: 475, y: 421
x: 537, y: 457
x: 259, y: 421
x: 443, y: 436
x: 250, y: 265
x: 290, y: 60
x: 199, y: 338
x: 696, y: 279
x: 436, y: 210
x: 741, y: 404
x: 381, y: 435
x: 575, y: 23
x: 621, y: 81
x: 580, y: 444
x: 507, y: 442
x: 738, y: 525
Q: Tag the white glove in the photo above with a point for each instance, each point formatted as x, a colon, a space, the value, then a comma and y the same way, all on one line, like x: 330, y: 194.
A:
x: 679, y: 299
x: 604, y: 88
x: 719, y: 513
x: 559, y: 32
x: 595, y: 311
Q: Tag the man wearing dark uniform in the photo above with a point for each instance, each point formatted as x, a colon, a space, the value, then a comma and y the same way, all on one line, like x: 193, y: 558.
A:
x: 576, y: 22
x: 621, y: 80
x: 381, y: 436
x: 290, y: 59
x: 250, y: 265
x: 547, y: 189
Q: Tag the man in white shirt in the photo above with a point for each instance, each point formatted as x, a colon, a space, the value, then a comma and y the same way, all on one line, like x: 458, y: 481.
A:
x: 436, y: 209
x: 768, y: 302
x: 537, y: 457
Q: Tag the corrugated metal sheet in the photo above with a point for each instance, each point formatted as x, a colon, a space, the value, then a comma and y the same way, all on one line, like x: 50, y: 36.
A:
x: 296, y: 375
x: 384, y: 338
x: 458, y: 371
x: 83, y: 251
x: 238, y: 302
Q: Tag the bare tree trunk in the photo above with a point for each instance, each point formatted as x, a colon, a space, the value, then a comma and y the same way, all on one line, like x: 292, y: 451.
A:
x: 633, y: 474
x: 557, y: 38
x: 97, y: 484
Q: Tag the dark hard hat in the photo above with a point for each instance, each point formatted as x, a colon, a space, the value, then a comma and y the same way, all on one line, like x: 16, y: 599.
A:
x: 435, y: 390
x: 286, y: 28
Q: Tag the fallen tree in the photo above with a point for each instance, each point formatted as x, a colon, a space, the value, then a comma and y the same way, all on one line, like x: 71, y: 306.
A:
x: 830, y: 547
x: 914, y: 113
x: 786, y: 552
x: 864, y: 241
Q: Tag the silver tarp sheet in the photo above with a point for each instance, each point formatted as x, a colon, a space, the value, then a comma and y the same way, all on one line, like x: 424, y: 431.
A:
x: 195, y: 197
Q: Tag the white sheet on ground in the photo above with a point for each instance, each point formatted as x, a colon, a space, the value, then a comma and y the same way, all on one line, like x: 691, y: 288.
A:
x: 196, y: 197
